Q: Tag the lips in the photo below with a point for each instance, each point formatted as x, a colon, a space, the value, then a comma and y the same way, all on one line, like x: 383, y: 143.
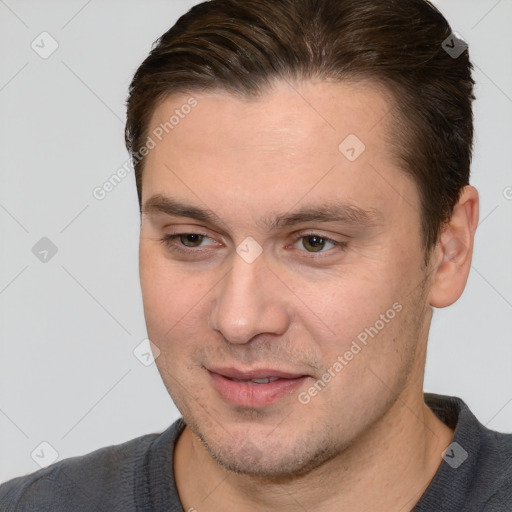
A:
x: 255, y: 388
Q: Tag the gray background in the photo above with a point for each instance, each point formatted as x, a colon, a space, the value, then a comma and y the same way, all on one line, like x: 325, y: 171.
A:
x: 69, y: 326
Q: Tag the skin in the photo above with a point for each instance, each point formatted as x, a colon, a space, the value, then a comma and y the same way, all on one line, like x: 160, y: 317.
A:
x: 367, y: 436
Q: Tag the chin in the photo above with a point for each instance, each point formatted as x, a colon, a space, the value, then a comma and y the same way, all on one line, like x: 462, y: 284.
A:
x: 269, y: 459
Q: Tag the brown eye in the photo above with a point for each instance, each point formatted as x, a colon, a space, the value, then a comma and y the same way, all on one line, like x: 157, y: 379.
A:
x: 191, y: 239
x: 313, y: 243
x: 316, y: 243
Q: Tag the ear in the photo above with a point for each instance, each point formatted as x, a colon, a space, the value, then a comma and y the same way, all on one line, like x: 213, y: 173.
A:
x: 451, y: 258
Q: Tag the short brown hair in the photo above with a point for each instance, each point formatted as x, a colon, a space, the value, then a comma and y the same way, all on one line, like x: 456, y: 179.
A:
x: 242, y: 46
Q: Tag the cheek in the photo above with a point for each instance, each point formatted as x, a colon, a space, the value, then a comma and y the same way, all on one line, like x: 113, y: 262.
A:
x: 341, y: 305
x: 174, y: 300
x: 361, y: 315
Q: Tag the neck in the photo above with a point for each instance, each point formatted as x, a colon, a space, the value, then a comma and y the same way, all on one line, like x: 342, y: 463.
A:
x: 387, y: 468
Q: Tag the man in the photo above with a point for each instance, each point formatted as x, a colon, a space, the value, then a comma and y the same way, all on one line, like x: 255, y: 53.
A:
x: 303, y: 175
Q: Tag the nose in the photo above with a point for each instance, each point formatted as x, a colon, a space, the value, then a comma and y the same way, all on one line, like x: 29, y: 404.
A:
x: 249, y: 301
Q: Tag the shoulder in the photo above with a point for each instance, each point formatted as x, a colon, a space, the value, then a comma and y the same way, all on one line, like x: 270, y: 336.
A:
x: 105, y: 476
x: 479, y: 474
x: 496, y: 460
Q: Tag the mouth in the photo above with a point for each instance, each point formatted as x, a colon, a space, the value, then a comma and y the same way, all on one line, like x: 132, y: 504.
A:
x: 255, y: 388
x: 258, y: 381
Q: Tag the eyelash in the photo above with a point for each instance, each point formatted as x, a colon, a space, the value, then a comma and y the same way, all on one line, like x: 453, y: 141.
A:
x: 169, y: 241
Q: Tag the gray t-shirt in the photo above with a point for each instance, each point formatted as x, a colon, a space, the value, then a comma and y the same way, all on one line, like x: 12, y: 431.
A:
x: 475, y: 476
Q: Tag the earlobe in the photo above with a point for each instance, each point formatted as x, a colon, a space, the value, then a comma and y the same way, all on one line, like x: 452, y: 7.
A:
x: 451, y: 259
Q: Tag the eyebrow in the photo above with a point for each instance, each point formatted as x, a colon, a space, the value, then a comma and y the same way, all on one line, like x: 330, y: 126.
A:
x: 330, y: 211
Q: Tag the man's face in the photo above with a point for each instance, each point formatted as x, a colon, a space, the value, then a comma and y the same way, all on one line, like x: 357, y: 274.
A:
x: 222, y: 317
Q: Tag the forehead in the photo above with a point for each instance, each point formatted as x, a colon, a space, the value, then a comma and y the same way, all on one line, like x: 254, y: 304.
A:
x: 287, y: 114
x: 294, y: 141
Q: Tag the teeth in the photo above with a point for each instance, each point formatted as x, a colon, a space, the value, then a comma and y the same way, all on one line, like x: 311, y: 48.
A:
x: 263, y: 381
